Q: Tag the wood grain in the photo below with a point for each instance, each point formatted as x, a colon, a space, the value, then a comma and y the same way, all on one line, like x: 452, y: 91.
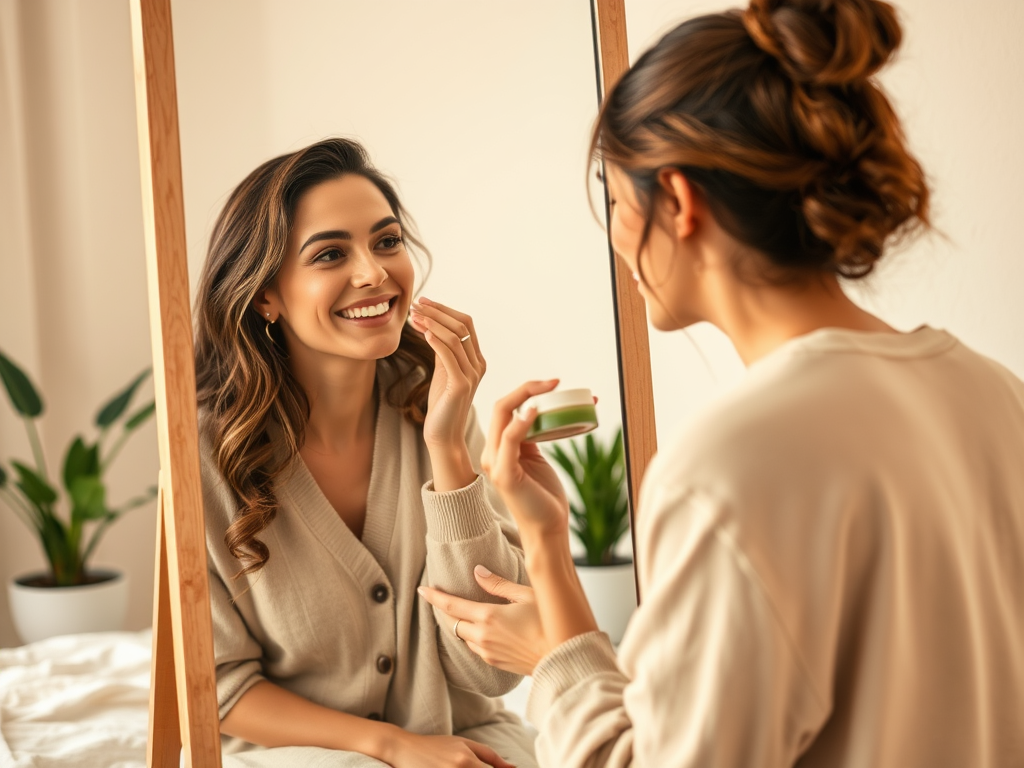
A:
x: 174, y: 377
x: 630, y: 312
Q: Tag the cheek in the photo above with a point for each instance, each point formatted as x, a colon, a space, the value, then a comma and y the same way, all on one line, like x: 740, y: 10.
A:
x: 626, y: 229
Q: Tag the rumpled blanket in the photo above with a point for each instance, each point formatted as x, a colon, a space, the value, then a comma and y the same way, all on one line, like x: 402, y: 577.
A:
x: 79, y: 700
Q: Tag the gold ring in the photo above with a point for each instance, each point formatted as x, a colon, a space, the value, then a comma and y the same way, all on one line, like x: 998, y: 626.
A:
x: 465, y: 338
x: 455, y: 629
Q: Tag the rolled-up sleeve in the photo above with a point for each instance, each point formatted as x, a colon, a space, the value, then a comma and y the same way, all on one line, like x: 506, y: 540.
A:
x: 468, y: 527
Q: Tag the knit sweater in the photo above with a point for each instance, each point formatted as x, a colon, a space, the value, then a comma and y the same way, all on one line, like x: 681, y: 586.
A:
x: 336, y: 619
x: 831, y: 565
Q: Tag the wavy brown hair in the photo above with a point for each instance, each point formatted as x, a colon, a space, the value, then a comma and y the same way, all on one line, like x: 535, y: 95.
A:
x: 774, y: 116
x: 244, y: 384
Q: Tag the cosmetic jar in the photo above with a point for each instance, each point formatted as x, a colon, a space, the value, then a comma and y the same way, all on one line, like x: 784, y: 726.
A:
x: 562, y: 414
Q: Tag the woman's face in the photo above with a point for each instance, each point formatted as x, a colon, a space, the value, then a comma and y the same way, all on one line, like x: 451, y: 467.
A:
x: 668, y: 293
x: 346, y: 283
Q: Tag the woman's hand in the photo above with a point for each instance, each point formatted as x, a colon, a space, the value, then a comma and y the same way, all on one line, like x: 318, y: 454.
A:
x: 411, y: 750
x: 459, y: 368
x: 518, y: 470
x: 508, y: 636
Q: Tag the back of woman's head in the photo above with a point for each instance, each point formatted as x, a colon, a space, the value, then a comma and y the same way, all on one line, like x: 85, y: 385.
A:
x: 244, y: 384
x: 774, y: 116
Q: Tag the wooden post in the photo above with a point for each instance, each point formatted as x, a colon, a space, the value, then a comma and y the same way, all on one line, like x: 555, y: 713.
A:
x: 640, y: 435
x: 182, y: 593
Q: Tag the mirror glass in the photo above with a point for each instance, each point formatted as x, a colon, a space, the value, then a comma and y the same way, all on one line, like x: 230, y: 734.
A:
x: 480, y: 112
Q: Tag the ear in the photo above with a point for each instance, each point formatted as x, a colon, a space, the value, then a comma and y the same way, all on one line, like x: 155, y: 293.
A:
x: 267, y: 305
x: 680, y: 198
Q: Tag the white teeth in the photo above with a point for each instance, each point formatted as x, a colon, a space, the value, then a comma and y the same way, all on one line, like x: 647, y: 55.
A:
x: 373, y: 311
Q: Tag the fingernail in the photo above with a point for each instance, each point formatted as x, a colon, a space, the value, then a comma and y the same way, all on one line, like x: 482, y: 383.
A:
x: 425, y: 300
x: 422, y: 591
x: 527, y: 415
x: 482, y: 572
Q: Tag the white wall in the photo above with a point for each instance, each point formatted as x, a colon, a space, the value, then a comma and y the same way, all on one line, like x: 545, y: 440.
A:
x: 958, y: 85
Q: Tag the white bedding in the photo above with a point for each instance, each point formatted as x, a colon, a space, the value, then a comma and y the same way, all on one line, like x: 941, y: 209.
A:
x: 80, y: 700
x: 83, y: 701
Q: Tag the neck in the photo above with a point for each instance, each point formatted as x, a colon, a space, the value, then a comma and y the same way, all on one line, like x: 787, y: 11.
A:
x: 341, y: 399
x: 759, y: 317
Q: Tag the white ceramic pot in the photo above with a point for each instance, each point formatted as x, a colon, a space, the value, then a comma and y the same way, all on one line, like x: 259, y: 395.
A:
x: 42, y: 612
x: 611, y: 590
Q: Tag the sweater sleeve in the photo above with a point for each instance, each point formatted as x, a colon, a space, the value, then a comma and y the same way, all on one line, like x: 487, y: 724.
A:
x: 465, y: 528
x: 706, y: 673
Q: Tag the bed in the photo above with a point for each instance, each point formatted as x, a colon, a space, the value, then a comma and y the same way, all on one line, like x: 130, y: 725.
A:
x: 83, y: 701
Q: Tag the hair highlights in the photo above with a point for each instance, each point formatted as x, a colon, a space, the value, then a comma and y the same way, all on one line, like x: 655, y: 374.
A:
x: 245, y: 387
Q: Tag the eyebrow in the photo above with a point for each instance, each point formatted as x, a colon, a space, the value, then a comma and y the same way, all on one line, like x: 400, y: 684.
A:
x: 341, y: 234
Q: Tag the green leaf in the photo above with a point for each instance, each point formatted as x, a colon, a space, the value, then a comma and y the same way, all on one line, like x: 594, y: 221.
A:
x: 80, y: 461
x: 3, y: 477
x: 88, y: 498
x: 139, y: 417
x: 23, y: 394
x: 40, y: 492
x: 112, y: 411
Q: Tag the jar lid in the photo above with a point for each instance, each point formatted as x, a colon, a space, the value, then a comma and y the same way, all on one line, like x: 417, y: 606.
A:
x: 552, y: 401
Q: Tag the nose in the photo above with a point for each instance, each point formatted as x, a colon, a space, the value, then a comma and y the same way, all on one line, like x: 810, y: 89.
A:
x: 368, y: 272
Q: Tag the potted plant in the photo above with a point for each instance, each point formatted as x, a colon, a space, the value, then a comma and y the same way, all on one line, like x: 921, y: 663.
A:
x: 69, y: 597
x: 599, y: 519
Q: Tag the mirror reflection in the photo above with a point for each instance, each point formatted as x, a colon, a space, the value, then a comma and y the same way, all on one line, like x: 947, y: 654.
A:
x: 350, y: 296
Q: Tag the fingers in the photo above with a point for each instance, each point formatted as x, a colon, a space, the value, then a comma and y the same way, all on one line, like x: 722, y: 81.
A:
x: 464, y: 321
x: 433, y: 316
x: 500, y: 587
x: 488, y: 755
x: 504, y: 411
x: 507, y: 454
x: 449, y: 349
x: 452, y: 606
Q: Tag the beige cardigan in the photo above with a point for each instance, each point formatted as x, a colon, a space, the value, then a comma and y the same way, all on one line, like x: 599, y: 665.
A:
x: 338, y: 620
x: 831, y: 566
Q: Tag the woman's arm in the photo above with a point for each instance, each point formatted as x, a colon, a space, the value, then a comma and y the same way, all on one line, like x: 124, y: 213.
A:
x: 272, y: 716
x: 706, y: 675
x: 465, y: 528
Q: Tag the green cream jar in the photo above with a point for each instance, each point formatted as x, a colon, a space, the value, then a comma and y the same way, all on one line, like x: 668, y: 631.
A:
x: 562, y: 414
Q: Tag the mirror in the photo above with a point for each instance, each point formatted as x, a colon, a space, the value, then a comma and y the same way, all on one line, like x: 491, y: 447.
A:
x: 485, y: 135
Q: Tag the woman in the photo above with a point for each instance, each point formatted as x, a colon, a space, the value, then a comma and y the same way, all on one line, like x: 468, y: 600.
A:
x: 831, y: 558
x: 339, y: 452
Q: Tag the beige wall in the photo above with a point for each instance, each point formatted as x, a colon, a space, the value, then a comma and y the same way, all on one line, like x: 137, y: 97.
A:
x: 483, y: 123
x: 72, y: 293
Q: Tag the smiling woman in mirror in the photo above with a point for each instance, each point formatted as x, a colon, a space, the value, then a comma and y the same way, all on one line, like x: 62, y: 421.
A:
x: 340, y: 456
x: 830, y: 557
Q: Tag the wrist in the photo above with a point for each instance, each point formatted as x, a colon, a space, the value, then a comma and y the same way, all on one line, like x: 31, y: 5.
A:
x: 451, y: 465
x: 383, y: 741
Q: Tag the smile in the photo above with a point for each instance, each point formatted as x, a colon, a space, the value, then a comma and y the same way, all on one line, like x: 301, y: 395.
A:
x: 371, y: 311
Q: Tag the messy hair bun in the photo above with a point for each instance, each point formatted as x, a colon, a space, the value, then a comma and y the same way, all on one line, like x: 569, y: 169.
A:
x: 773, y: 115
x: 825, y: 42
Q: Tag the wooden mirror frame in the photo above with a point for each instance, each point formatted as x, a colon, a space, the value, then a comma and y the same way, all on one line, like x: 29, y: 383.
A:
x: 183, y: 717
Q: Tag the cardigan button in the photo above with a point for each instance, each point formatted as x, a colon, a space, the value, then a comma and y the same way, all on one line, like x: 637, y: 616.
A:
x: 384, y: 664
x: 379, y: 593
x: 373, y: 716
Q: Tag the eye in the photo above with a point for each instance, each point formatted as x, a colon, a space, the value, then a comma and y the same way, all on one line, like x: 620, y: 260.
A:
x: 390, y: 242
x: 327, y: 256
